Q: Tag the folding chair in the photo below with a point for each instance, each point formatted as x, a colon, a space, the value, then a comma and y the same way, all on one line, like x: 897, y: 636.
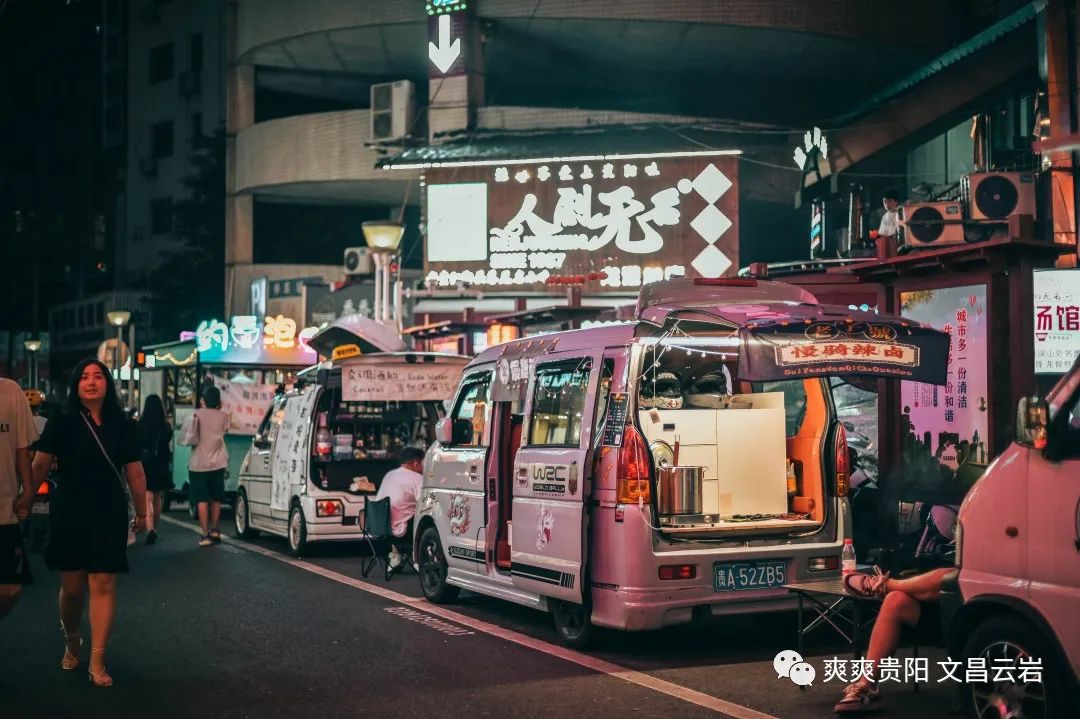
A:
x: 376, y: 533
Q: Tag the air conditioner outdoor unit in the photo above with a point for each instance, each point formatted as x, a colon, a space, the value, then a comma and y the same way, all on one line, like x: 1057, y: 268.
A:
x: 189, y: 83
x: 997, y: 196
x: 933, y: 224
x: 358, y: 261
x: 393, y: 106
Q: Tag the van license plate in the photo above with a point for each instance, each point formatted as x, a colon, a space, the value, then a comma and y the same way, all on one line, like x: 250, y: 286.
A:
x: 740, y: 576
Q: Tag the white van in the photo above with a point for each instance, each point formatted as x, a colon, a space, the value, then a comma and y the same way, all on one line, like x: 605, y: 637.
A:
x: 325, y: 446
x: 554, y: 483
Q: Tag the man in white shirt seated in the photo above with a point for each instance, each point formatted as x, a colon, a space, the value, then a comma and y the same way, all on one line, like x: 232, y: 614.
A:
x: 891, y: 221
x: 402, y: 486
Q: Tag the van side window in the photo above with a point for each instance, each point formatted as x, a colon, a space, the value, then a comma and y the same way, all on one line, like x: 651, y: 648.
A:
x: 271, y: 421
x: 607, y: 374
x: 1065, y: 432
x: 558, y: 403
x: 794, y: 401
x: 473, y: 406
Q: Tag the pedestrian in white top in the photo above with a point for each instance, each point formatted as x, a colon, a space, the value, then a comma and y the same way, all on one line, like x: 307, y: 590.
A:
x: 17, y: 433
x: 402, y: 486
x: 205, y: 433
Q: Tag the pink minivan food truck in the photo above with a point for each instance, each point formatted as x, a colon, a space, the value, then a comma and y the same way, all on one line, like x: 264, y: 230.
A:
x: 638, y: 475
x: 1017, y: 595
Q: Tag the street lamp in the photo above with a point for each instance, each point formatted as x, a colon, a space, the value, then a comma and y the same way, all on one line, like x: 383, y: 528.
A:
x: 32, y: 347
x: 118, y: 318
x: 383, y: 238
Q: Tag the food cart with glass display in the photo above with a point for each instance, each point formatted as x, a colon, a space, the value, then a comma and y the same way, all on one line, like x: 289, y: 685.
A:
x: 247, y: 360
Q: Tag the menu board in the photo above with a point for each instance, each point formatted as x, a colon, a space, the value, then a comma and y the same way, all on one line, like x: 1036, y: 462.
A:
x: 615, y: 422
x: 1057, y: 320
x: 402, y: 383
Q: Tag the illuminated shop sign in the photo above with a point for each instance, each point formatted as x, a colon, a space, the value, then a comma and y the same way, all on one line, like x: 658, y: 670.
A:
x: 627, y: 221
x: 247, y: 340
x: 1057, y: 320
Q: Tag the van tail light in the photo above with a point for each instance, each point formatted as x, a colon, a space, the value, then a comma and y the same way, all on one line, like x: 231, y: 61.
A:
x: 329, y: 508
x: 43, y: 489
x: 843, y: 467
x: 678, y: 571
x: 632, y: 469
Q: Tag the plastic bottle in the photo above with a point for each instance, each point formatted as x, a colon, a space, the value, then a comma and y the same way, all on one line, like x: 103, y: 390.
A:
x: 792, y: 483
x: 322, y: 438
x: 847, y: 557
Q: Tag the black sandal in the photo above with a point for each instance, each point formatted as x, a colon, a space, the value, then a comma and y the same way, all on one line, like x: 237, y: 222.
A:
x: 215, y: 536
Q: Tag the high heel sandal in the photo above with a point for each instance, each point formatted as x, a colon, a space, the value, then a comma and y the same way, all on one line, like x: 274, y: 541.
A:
x: 102, y: 678
x: 70, y: 662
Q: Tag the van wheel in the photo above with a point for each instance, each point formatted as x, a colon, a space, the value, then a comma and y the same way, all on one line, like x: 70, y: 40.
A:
x: 432, y: 561
x: 241, y: 518
x: 572, y: 623
x: 297, y: 531
x: 1011, y: 639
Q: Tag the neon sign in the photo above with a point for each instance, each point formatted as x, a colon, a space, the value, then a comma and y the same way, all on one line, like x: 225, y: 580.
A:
x: 245, y: 339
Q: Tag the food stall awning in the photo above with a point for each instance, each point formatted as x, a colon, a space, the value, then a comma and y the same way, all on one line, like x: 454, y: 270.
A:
x: 549, y: 315
x: 444, y: 329
x: 170, y: 354
x: 363, y: 332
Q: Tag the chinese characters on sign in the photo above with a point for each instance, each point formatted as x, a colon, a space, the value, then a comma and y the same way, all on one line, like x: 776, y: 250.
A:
x: 408, y: 383
x: 248, y: 340
x: 949, y: 423
x: 635, y: 221
x: 976, y: 670
x: 1057, y: 320
x: 245, y: 403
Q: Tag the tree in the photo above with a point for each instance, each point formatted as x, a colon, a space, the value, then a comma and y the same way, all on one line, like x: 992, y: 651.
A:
x: 189, y: 284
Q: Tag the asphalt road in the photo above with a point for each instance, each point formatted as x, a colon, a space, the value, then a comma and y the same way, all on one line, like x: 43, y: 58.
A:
x: 241, y: 630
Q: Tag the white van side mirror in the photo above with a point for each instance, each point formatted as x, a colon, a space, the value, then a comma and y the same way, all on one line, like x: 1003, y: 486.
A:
x: 1032, y: 419
x: 444, y: 431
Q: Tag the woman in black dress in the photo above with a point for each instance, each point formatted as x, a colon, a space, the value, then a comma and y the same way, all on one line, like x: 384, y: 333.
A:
x: 155, y: 438
x: 96, y: 449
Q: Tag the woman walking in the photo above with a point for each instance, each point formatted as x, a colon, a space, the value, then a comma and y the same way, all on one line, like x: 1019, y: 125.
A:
x: 205, y: 433
x: 155, y: 439
x: 96, y: 449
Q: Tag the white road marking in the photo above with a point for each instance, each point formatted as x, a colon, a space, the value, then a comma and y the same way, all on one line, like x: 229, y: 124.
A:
x: 691, y: 696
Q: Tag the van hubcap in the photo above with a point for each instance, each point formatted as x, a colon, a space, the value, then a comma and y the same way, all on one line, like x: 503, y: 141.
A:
x: 1009, y: 698
x: 240, y: 514
x: 431, y: 566
x: 294, y: 530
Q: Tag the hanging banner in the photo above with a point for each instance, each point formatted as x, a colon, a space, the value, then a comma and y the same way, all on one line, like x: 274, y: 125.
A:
x: 370, y: 382
x: 949, y: 424
x: 245, y: 403
x: 1057, y: 320
x: 292, y: 448
x: 782, y: 349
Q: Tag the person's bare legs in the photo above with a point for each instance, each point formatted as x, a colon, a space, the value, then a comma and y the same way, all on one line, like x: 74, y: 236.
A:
x: 923, y: 587
x: 102, y: 612
x: 897, y: 609
x: 151, y: 518
x: 204, y: 517
x: 215, y: 516
x: 155, y: 510
x: 73, y: 587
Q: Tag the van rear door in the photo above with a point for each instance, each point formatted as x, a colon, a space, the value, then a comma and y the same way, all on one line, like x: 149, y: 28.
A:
x: 552, y: 477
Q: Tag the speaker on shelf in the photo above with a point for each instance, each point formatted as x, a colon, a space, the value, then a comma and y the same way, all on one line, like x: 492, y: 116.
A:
x: 932, y: 224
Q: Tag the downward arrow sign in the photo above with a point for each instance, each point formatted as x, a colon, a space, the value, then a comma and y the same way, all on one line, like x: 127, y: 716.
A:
x: 444, y: 54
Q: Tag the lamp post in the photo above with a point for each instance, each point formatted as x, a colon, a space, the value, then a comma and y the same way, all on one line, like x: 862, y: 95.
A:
x: 32, y: 347
x: 383, y: 239
x: 118, y: 318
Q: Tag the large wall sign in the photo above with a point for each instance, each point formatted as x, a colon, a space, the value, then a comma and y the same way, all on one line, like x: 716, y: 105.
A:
x: 1057, y: 320
x: 636, y: 220
x: 949, y: 424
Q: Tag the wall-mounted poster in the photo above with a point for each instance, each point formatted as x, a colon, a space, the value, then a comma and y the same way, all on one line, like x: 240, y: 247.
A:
x: 1057, y: 320
x: 948, y: 423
